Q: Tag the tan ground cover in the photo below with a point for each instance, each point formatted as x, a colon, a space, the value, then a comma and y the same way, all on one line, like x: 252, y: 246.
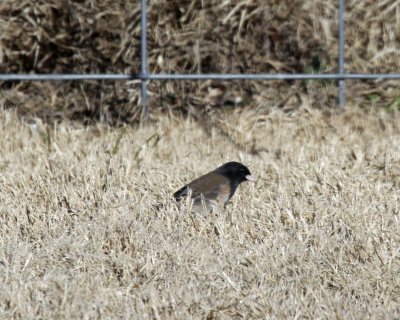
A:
x: 193, y: 36
x: 87, y: 228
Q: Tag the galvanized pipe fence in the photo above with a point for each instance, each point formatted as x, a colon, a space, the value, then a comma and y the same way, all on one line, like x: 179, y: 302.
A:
x: 144, y: 76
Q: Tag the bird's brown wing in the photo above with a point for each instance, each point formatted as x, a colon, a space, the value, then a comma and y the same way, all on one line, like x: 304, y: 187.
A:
x: 211, y: 187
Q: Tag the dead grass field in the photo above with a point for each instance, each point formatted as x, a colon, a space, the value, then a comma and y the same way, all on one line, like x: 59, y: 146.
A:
x: 317, y: 237
x: 193, y: 36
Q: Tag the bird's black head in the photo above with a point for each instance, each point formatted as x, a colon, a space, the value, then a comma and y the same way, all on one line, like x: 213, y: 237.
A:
x: 236, y: 172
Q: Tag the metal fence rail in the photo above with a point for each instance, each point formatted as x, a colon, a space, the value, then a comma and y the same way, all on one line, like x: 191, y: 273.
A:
x: 144, y: 76
x: 203, y: 76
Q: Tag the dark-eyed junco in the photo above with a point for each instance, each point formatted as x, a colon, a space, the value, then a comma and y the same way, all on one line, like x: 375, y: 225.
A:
x: 216, y: 187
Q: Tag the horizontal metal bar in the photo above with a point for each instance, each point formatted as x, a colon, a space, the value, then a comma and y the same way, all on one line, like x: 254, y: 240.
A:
x: 210, y: 76
x: 65, y: 76
x: 261, y: 76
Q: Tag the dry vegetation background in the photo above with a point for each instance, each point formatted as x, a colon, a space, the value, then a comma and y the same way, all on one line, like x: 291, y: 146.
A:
x: 318, y: 236
x: 190, y: 36
x: 87, y: 225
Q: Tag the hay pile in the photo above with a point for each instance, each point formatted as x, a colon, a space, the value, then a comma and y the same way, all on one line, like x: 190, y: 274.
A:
x: 192, y: 36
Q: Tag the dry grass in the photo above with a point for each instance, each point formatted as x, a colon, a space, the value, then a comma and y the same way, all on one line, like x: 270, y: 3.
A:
x: 318, y: 236
x: 193, y: 36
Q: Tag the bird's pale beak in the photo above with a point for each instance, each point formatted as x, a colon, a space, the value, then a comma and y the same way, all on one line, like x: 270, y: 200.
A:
x: 251, y: 178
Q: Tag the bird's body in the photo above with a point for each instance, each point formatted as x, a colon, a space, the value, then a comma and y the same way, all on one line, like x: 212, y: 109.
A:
x: 216, y: 187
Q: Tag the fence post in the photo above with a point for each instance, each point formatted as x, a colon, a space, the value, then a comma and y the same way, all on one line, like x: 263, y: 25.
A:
x: 342, y: 84
x: 143, y: 60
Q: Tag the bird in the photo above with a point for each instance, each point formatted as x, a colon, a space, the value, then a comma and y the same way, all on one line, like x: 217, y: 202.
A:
x: 216, y: 187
